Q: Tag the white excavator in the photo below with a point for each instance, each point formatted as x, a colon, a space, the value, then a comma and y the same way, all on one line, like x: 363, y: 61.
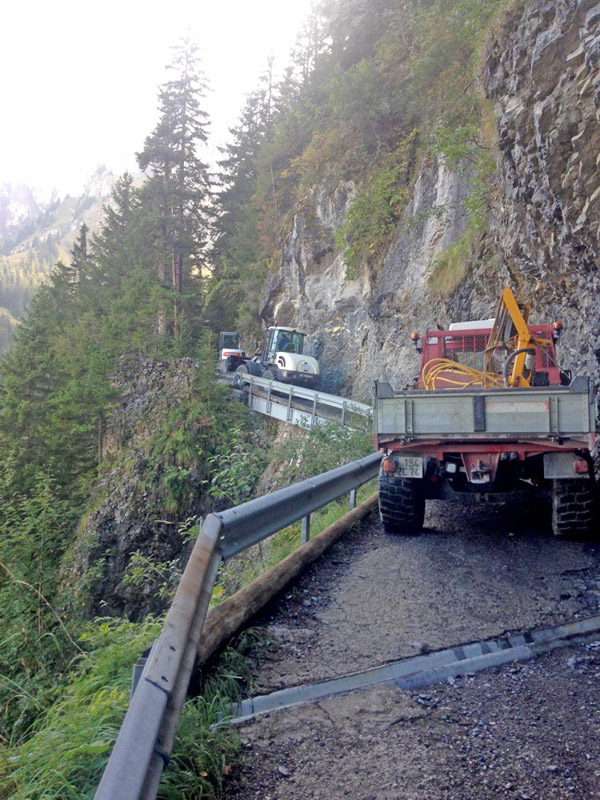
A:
x: 281, y: 359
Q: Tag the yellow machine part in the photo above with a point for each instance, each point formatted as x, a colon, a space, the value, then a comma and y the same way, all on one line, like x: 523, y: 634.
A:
x: 509, y: 334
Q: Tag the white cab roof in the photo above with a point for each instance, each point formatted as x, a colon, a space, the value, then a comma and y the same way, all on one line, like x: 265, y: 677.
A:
x: 474, y: 324
x: 290, y: 330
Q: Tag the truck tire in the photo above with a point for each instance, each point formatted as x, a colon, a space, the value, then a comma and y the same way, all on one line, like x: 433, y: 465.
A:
x: 269, y: 375
x: 401, y: 504
x: 572, y: 507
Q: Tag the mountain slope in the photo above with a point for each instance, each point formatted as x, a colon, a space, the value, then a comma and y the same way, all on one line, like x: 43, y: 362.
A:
x: 35, y: 233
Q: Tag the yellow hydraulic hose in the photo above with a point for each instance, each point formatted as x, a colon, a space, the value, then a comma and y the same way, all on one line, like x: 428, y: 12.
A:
x: 440, y: 371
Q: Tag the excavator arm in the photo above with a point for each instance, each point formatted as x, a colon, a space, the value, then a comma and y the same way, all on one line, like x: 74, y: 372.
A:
x: 511, y: 335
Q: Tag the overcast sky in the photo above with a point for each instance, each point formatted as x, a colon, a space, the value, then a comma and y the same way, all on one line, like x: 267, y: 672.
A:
x: 78, y: 79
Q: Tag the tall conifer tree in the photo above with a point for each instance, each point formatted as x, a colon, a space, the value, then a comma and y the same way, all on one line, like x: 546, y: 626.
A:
x: 177, y: 191
x: 118, y: 247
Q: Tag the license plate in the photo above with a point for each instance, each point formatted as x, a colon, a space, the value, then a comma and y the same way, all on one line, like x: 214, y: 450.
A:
x: 409, y: 467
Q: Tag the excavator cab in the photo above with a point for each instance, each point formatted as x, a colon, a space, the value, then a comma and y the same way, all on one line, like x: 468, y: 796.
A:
x: 281, y: 340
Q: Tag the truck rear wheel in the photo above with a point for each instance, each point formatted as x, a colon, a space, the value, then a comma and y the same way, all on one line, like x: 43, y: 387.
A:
x: 401, y: 504
x: 572, y: 507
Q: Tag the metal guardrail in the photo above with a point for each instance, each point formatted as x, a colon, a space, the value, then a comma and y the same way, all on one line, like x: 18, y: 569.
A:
x: 300, y: 406
x: 145, y: 741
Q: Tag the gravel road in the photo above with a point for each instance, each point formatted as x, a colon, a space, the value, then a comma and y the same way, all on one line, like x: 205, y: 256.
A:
x: 529, y: 730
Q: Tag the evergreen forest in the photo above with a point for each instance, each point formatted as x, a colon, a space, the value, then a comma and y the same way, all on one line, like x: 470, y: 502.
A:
x: 371, y: 87
x: 35, y: 233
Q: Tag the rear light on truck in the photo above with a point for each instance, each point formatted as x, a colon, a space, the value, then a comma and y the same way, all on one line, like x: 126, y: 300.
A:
x: 389, y: 465
x: 416, y: 340
x: 557, y: 329
x: 581, y: 467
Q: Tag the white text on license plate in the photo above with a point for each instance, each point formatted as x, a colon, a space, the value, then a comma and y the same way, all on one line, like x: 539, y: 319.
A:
x: 409, y: 467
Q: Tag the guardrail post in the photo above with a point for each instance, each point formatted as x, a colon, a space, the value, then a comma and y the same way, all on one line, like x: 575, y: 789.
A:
x: 352, y: 501
x: 344, y: 415
x: 289, y: 406
x: 138, y: 669
x: 269, y: 402
x: 314, y: 411
x: 305, y: 529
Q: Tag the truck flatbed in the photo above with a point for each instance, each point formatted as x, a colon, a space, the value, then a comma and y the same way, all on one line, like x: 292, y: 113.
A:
x: 545, y: 412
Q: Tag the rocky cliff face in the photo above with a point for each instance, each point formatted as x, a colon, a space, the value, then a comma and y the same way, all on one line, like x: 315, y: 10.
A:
x: 130, y: 517
x: 543, y: 73
x: 541, y: 70
x: 360, y: 326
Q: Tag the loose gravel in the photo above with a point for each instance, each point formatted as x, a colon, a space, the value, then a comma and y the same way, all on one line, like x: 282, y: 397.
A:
x: 524, y: 731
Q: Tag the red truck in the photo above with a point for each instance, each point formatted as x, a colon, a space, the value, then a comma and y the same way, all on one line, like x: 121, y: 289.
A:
x: 490, y: 417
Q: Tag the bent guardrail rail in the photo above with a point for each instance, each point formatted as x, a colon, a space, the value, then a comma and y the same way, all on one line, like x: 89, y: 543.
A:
x: 146, y: 737
x: 301, y: 406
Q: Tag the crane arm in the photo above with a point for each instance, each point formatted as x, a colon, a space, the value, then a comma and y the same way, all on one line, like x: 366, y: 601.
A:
x: 510, y: 332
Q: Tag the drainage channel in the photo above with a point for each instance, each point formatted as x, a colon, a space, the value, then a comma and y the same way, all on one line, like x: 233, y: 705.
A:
x: 413, y: 673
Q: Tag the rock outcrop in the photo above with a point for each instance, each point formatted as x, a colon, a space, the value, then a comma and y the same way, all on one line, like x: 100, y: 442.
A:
x: 360, y: 326
x: 130, y: 516
x: 542, y: 72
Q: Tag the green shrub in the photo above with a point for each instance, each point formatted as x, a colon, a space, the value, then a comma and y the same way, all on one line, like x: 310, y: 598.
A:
x: 450, y: 267
x: 322, y: 448
x: 376, y: 208
x: 68, y: 747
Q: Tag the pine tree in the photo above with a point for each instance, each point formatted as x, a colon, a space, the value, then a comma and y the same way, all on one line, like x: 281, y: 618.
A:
x: 177, y: 191
x: 118, y: 247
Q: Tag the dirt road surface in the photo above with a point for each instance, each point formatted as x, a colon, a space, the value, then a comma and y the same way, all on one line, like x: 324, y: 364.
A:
x: 524, y: 731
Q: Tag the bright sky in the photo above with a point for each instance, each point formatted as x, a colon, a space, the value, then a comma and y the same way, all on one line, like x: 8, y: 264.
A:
x: 78, y: 79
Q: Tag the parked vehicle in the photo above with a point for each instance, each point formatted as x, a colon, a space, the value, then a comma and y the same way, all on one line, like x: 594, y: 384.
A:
x: 231, y: 354
x: 491, y: 416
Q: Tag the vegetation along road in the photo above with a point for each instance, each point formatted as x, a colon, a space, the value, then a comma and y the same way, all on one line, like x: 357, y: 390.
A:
x: 505, y: 732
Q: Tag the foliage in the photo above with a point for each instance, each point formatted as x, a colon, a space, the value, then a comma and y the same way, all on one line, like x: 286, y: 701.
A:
x: 163, y: 575
x: 324, y: 447
x: 318, y: 450
x: 237, y: 466
x: 205, y: 745
x: 36, y: 638
x: 202, y: 424
x: 175, y: 195
x: 467, y: 148
x: 377, y: 207
x: 448, y: 39
x: 450, y: 268
x: 68, y: 746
